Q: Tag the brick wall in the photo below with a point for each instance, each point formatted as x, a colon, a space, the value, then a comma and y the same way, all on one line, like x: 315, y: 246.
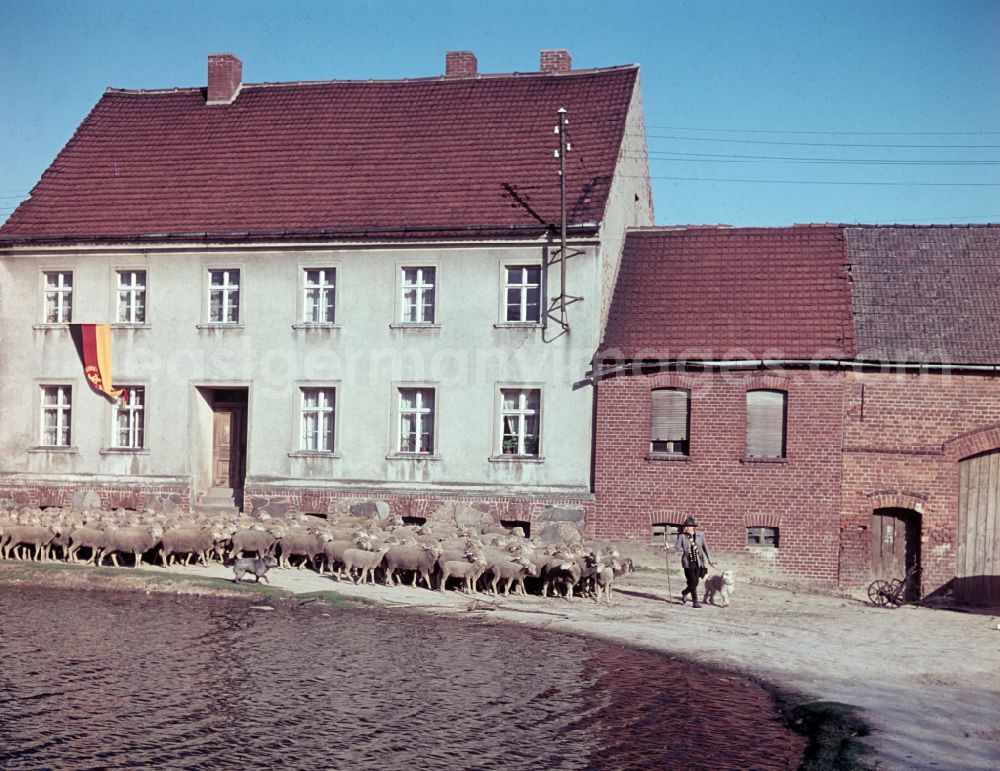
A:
x: 856, y: 443
x: 904, y: 436
x: 161, y: 498
x: 724, y: 491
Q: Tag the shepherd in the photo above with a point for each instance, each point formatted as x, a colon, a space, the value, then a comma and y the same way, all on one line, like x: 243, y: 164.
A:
x: 694, y: 556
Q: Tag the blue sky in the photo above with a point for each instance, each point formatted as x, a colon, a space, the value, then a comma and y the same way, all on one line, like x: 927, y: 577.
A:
x: 758, y: 113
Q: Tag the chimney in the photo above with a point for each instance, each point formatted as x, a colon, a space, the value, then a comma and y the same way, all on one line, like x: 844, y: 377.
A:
x: 555, y: 60
x: 460, y: 64
x: 225, y: 76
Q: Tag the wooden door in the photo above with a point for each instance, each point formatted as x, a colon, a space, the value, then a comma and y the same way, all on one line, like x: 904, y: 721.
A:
x: 977, y: 548
x: 227, y: 446
x: 896, y: 546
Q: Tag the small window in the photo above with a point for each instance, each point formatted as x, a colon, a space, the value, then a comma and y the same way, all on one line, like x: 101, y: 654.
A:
x: 318, y: 412
x: 665, y: 534
x: 58, y: 297
x: 131, y: 297
x: 765, y: 436
x: 416, y: 420
x: 129, y: 416
x: 224, y: 296
x: 57, y: 402
x: 520, y: 414
x: 418, y: 296
x: 670, y: 414
x: 320, y: 296
x: 415, y: 521
x: 762, y: 536
x: 523, y: 290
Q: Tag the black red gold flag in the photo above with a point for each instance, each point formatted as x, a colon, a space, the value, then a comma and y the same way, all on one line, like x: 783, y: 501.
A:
x: 93, y: 344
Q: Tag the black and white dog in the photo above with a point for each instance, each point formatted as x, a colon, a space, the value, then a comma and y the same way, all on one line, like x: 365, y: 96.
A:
x: 255, y: 566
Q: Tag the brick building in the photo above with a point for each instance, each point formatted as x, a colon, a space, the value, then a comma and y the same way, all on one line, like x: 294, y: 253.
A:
x: 324, y: 295
x: 824, y: 399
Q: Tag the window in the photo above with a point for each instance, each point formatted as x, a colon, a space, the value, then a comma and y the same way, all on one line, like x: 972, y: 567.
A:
x: 224, y: 296
x: 523, y: 288
x: 56, y: 413
x: 130, y: 418
x: 416, y: 420
x: 665, y: 534
x: 58, y: 297
x: 520, y: 412
x: 418, y: 296
x: 765, y: 424
x: 320, y: 296
x: 318, y: 419
x: 131, y: 297
x: 762, y: 536
x: 670, y: 411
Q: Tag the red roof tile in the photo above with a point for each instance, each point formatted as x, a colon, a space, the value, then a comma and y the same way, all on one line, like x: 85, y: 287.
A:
x: 732, y: 293
x: 333, y: 158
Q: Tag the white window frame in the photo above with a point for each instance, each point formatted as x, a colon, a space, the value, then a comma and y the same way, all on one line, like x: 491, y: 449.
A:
x: 327, y: 295
x: 520, y: 414
x: 62, y: 297
x: 134, y: 410
x: 522, y: 286
x: 227, y: 289
x: 325, y: 411
x: 130, y: 295
x: 63, y: 409
x: 421, y: 287
x: 423, y: 414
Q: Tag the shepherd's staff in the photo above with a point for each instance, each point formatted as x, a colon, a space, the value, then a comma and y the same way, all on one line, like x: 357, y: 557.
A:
x: 666, y: 559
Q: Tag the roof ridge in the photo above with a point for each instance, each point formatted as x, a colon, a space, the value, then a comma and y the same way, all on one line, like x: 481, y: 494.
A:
x: 372, y: 81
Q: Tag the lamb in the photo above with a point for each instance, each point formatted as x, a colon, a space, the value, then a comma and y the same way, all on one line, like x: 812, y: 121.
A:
x: 365, y: 561
x: 603, y: 580
x: 260, y: 542
x: 18, y: 538
x: 197, y: 541
x: 92, y: 538
x: 135, y: 540
x: 300, y: 544
x: 420, y: 559
x: 561, y: 572
x: 334, y: 550
x: 510, y: 571
x: 469, y: 569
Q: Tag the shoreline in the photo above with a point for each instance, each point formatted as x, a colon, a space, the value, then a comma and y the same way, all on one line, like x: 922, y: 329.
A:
x: 836, y: 668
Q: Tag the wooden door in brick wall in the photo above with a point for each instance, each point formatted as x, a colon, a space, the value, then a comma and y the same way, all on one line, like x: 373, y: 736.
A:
x: 977, y: 544
x: 896, y: 546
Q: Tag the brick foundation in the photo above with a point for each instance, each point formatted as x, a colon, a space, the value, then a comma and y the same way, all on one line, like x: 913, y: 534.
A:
x: 160, y: 498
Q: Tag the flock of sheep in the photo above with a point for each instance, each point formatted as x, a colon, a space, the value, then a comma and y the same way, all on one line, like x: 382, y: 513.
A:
x: 489, y: 558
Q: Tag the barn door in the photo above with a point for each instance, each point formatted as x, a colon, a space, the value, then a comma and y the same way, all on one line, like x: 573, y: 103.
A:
x: 896, y: 546
x: 977, y: 563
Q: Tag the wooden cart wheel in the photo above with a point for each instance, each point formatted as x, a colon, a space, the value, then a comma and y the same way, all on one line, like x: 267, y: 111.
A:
x: 879, y: 592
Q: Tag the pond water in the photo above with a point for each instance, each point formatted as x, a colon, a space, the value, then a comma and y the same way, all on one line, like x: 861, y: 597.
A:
x: 98, y: 680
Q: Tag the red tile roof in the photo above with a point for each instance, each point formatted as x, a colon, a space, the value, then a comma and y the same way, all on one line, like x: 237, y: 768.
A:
x: 876, y: 293
x: 334, y: 159
x: 732, y: 293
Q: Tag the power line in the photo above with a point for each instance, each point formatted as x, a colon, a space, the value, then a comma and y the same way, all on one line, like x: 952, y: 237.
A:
x: 830, y: 182
x: 658, y: 155
x: 819, y: 144
x: 832, y: 133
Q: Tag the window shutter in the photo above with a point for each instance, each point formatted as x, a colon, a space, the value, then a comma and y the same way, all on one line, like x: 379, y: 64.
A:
x: 765, y: 424
x: 669, y: 415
